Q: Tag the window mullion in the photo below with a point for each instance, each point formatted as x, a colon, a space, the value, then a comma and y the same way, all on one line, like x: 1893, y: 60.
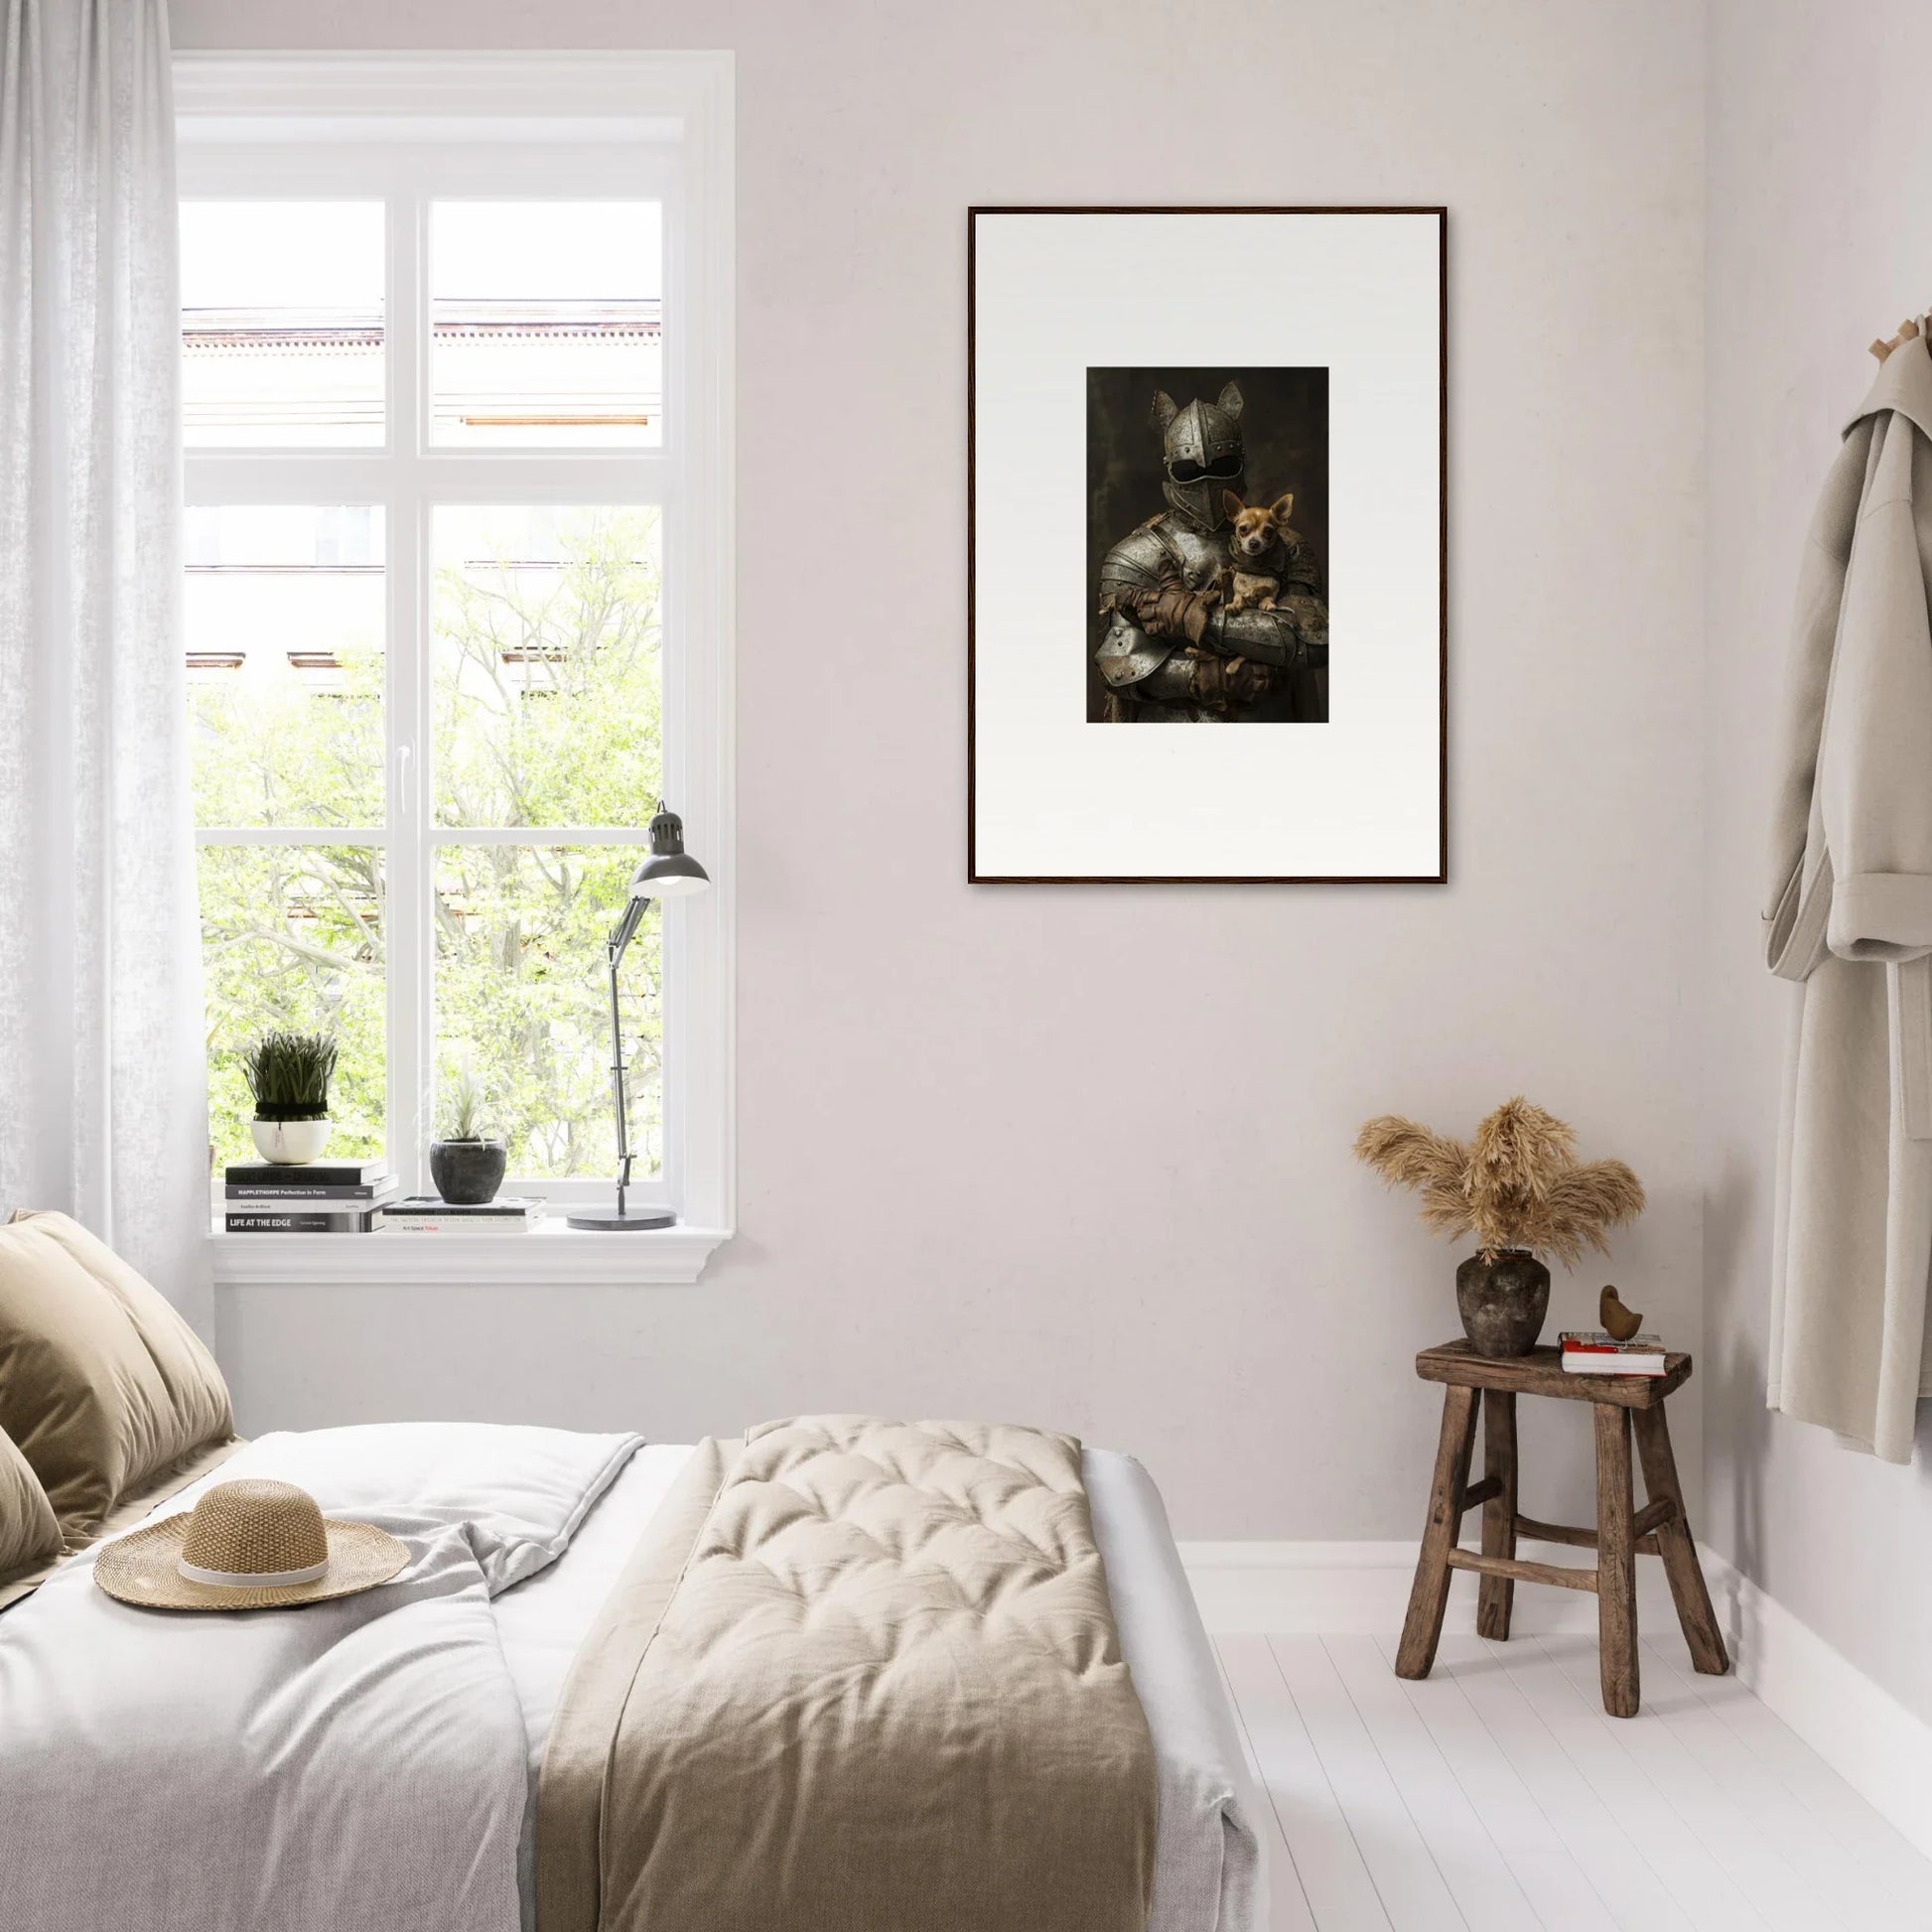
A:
x: 636, y: 835
x: 292, y: 835
x: 408, y: 926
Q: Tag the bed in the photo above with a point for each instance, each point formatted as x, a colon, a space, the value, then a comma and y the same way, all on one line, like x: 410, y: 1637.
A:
x: 842, y: 1674
x: 119, y: 1740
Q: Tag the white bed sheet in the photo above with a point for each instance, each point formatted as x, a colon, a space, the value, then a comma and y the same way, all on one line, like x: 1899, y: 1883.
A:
x: 1209, y: 1874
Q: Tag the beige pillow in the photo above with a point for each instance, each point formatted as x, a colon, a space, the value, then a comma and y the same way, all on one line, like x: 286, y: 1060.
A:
x: 102, y: 1384
x: 29, y: 1535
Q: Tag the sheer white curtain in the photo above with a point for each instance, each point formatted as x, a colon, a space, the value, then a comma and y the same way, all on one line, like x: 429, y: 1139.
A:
x: 101, y: 1067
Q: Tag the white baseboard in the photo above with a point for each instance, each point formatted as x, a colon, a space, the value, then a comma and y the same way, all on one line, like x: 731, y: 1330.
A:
x: 1882, y: 1750
x: 1363, y: 1589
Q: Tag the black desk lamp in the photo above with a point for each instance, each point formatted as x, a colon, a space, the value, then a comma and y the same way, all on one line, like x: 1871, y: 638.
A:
x: 669, y: 872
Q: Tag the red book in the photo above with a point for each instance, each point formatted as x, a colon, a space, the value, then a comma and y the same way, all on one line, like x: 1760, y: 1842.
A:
x: 1591, y: 1351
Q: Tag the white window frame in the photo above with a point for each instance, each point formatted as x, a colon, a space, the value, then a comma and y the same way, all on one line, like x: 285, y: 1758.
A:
x: 406, y: 128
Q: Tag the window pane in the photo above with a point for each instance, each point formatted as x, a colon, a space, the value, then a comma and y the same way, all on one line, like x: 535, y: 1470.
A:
x: 284, y: 615
x: 522, y: 1001
x: 292, y: 938
x: 281, y: 323
x: 546, y: 324
x: 546, y: 665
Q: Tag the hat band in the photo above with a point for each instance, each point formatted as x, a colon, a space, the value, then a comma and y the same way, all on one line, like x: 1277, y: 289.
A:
x: 252, y: 1578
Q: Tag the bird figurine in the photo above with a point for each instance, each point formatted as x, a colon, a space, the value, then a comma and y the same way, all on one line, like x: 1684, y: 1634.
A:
x: 1619, y: 1323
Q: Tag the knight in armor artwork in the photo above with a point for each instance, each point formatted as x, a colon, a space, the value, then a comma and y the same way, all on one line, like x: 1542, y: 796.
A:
x: 1212, y: 610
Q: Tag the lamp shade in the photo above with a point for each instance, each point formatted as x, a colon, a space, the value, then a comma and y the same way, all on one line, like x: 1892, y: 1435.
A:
x: 669, y: 872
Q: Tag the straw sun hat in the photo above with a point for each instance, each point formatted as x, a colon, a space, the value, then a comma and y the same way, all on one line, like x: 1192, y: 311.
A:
x: 248, y: 1545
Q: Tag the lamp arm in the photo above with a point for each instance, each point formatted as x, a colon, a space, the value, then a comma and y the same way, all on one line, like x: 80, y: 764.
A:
x: 614, y: 951
x: 625, y: 928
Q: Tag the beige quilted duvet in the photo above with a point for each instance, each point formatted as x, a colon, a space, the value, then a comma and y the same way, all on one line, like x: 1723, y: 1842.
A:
x: 863, y: 1676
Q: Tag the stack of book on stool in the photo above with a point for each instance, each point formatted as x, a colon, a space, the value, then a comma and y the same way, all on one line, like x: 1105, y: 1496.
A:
x: 1594, y: 1351
x: 425, y: 1214
x: 321, y: 1198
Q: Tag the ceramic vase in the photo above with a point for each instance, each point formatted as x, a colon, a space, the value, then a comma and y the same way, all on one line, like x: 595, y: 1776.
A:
x: 468, y: 1174
x: 290, y: 1142
x: 1503, y: 1299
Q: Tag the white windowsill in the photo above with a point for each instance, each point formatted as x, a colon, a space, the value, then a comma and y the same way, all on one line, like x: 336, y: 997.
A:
x: 552, y: 1255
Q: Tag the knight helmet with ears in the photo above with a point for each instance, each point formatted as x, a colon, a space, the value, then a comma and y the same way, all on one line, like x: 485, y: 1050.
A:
x: 1173, y: 652
x: 1201, y: 447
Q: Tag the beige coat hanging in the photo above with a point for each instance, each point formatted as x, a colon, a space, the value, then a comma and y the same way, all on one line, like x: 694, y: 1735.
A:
x: 1851, y: 917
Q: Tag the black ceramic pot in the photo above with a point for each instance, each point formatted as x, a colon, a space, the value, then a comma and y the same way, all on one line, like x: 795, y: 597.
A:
x: 1503, y: 1301
x: 469, y: 1172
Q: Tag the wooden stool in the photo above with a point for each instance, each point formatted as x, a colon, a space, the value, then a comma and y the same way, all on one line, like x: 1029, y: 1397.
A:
x: 1659, y: 1529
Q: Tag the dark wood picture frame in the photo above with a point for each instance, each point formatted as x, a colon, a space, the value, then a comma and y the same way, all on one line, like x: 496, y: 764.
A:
x: 974, y: 875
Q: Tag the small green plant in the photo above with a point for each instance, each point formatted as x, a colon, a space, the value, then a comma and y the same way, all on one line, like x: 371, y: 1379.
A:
x: 463, y: 1109
x: 289, y: 1074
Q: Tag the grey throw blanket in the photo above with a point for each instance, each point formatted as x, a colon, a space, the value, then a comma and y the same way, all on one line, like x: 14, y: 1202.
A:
x: 347, y: 1766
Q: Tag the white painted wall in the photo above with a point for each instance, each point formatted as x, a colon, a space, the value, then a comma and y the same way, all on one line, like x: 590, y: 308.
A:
x: 968, y: 1185
x: 1820, y: 239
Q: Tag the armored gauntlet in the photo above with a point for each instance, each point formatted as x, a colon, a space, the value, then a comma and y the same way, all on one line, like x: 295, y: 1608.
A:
x: 1219, y: 682
x: 1271, y: 636
x: 1172, y: 612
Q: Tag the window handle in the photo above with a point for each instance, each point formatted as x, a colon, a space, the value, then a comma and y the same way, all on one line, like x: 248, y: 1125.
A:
x: 402, y: 782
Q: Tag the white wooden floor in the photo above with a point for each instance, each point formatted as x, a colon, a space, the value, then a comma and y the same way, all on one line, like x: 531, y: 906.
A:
x: 1497, y: 1796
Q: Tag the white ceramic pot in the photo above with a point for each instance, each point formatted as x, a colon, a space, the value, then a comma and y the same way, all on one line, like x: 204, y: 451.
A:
x: 290, y: 1142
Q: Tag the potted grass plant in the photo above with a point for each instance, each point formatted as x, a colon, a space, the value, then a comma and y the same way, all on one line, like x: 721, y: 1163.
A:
x: 1517, y: 1186
x: 289, y: 1076
x: 467, y: 1163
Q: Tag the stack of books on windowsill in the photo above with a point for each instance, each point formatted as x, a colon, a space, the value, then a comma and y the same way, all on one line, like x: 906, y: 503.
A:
x: 1593, y: 1351
x: 425, y: 1214
x: 321, y: 1198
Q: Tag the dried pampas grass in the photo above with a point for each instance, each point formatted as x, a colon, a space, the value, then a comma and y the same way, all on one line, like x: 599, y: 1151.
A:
x: 1517, y: 1185
x: 1407, y: 1155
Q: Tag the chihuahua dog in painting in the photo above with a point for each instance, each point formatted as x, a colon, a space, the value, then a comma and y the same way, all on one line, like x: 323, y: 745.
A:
x: 1257, y: 549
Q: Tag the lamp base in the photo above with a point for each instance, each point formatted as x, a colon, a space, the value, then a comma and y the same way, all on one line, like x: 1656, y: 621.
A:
x: 610, y: 1221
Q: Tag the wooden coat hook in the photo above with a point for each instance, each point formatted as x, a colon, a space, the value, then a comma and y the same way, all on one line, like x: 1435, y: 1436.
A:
x: 1908, y: 332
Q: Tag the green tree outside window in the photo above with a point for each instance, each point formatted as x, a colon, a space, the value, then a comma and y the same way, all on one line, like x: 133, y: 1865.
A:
x: 546, y: 710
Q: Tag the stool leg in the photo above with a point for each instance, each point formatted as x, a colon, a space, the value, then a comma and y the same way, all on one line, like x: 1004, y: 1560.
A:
x: 1616, y: 1563
x: 1497, y: 1596
x: 1677, y: 1546
x: 1422, y: 1629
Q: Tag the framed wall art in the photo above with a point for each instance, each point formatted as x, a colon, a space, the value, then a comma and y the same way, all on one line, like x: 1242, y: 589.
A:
x: 1206, y: 489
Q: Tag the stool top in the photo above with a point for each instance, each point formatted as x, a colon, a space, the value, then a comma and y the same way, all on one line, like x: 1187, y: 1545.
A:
x: 1541, y: 1372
